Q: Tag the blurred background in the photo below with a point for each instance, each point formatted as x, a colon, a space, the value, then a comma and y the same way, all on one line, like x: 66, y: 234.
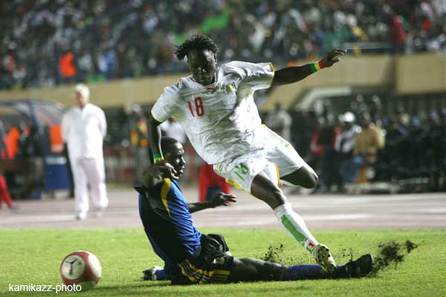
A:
x: 373, y: 123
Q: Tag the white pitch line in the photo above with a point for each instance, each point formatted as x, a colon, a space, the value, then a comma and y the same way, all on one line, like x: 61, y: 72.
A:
x: 432, y: 210
x: 337, y: 217
x: 37, y: 219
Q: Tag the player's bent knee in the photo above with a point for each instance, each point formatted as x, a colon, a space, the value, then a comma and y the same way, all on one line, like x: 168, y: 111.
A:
x: 313, y: 180
x: 309, y: 180
x: 304, y: 177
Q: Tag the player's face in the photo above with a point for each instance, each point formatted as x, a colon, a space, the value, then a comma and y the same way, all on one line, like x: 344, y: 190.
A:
x: 175, y: 156
x: 203, y: 65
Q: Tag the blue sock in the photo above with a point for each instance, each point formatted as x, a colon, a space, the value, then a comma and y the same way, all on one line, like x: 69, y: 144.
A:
x: 301, y: 272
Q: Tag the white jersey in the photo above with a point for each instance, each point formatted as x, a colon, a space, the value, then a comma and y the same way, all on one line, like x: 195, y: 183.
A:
x: 84, y: 130
x: 221, y: 119
x: 174, y: 130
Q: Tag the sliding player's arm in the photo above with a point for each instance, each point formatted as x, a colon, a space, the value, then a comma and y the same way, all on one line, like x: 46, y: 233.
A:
x: 157, y: 156
x: 155, y: 140
x: 218, y: 200
x: 155, y: 174
x: 293, y: 74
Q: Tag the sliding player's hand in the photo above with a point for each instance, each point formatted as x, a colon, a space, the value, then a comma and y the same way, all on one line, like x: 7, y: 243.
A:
x: 166, y: 170
x: 222, y: 199
x: 332, y: 57
x: 154, y: 174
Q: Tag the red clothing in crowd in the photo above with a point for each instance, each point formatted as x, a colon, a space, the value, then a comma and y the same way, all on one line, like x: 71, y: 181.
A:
x: 67, y: 69
x: 11, y: 145
x: 11, y: 142
x: 322, y: 139
x: 210, y: 179
x: 4, y: 193
x: 398, y: 34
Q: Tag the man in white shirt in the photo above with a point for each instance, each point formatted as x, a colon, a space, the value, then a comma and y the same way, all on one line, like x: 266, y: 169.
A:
x: 216, y: 108
x: 83, y: 129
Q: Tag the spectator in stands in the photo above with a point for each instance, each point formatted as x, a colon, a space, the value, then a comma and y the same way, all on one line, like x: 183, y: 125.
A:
x: 375, y: 110
x: 368, y: 142
x: 398, y: 34
x: 344, y: 147
x: 4, y: 192
x: 11, y: 141
x: 396, y: 151
x: 31, y: 151
x: 3, y: 147
x: 107, y: 41
x: 139, y: 140
x: 359, y: 106
x: 67, y: 67
x: 330, y: 176
x: 279, y: 120
x: 322, y: 148
x: 435, y: 153
x: 83, y: 128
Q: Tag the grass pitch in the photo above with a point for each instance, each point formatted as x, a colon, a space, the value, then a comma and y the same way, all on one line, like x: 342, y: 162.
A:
x: 34, y: 256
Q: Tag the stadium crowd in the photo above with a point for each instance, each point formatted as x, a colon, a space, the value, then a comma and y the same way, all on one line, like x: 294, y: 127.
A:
x: 49, y: 42
x: 365, y: 144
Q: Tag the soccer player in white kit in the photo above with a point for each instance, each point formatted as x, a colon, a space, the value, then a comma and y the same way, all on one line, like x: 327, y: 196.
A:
x: 216, y: 108
x: 83, y: 128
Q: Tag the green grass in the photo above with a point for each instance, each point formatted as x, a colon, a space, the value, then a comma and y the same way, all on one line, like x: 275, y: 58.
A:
x: 33, y: 256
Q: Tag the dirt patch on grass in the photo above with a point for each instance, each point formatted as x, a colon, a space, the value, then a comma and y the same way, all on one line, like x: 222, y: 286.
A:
x: 392, y: 253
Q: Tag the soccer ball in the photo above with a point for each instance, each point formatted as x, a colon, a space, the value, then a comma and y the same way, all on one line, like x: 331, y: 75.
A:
x: 81, y: 268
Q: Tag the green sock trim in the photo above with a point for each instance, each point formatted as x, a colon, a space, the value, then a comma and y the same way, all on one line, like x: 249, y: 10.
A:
x: 295, y: 233
x: 290, y: 227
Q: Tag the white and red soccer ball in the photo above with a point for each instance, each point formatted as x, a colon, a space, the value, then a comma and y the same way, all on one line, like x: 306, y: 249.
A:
x: 81, y: 268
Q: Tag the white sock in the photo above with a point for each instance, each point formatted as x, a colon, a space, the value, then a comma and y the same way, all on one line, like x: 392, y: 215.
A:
x: 295, y: 226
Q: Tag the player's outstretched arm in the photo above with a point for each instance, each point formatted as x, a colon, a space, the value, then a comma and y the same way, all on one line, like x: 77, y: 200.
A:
x: 293, y: 74
x: 218, y: 200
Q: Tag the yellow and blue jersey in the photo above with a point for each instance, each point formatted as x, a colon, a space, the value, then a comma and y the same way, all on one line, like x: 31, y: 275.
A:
x: 168, y: 224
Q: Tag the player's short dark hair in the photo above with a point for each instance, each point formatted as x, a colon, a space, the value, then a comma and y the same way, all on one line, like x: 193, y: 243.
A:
x: 167, y: 144
x: 197, y: 42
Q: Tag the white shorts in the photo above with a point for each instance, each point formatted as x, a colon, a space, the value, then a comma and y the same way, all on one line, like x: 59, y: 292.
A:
x: 276, y: 159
